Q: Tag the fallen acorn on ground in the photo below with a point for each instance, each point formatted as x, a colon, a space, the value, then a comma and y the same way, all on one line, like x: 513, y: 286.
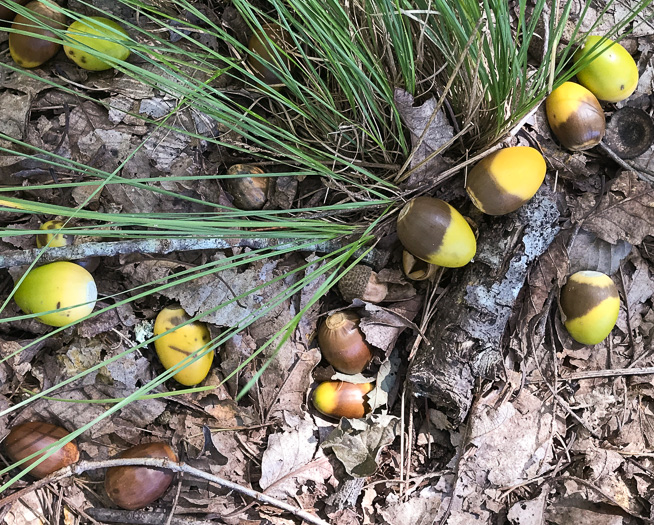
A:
x: 342, y: 399
x: 343, y: 344
x: 34, y: 48
x: 99, y: 34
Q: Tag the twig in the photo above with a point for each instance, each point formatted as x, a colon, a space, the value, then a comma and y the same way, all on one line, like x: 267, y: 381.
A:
x: 644, y: 174
x: 593, y: 374
x: 83, y: 466
x: 139, y: 517
x: 165, y: 246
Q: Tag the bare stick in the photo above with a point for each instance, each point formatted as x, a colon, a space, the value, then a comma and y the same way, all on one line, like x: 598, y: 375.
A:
x: 83, y: 466
x: 139, y: 517
x: 165, y: 246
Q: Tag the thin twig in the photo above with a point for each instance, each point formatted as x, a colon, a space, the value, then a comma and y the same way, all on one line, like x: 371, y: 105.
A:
x: 165, y: 246
x: 83, y: 466
x: 140, y: 517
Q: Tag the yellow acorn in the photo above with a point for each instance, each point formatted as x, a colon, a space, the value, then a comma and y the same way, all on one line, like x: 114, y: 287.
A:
x: 178, y: 345
x: 433, y: 231
x: 506, y: 179
x: 590, y: 304
x: 53, y: 238
x: 575, y: 116
x: 612, y: 75
x: 342, y: 399
x: 99, y: 34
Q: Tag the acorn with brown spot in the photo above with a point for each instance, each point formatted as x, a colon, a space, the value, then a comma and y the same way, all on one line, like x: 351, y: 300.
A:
x: 575, y: 116
x: 590, y: 305
x: 178, y: 348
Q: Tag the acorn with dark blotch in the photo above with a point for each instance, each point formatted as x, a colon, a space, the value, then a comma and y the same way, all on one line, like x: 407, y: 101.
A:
x: 505, y: 180
x: 27, y: 438
x: 133, y: 487
x: 32, y: 48
x: 433, y: 231
x: 343, y: 344
x: 590, y: 305
x: 248, y: 193
x: 269, y: 47
x: 342, y: 399
x: 54, y: 238
x: 175, y: 347
x: 575, y: 116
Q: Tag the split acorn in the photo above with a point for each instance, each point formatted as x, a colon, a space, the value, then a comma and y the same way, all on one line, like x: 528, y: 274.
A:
x: 27, y: 438
x: 178, y: 345
x: 505, y: 180
x: 343, y: 344
x: 342, y: 399
x: 590, y: 304
x: 433, y: 231
x: 575, y: 116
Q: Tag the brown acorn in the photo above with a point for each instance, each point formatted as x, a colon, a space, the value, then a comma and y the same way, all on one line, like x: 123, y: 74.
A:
x: 7, y: 14
x: 342, y: 344
x: 31, y: 49
x: 134, y: 487
x: 267, y: 59
x: 249, y: 193
x: 342, y: 399
x: 27, y: 438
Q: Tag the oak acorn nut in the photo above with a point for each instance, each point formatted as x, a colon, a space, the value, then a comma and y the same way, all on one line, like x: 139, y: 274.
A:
x: 33, y: 48
x: 178, y: 345
x: 590, y: 305
x: 27, y: 438
x: 505, y: 180
x: 248, y: 193
x: 268, y: 54
x: 133, y: 487
x: 612, y: 75
x: 575, y: 116
x: 54, y: 238
x: 343, y: 344
x: 433, y: 231
x: 55, y: 286
x: 7, y: 13
x: 342, y: 399
x: 98, y: 34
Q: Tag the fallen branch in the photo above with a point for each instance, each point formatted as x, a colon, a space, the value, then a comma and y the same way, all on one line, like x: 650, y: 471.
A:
x: 139, y: 517
x: 83, y: 466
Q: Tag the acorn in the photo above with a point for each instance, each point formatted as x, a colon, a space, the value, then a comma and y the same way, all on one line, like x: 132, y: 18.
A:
x: 416, y: 269
x: 53, y: 239
x: 248, y: 193
x: 27, y: 438
x: 575, y: 116
x: 7, y: 14
x: 506, y: 179
x: 178, y: 345
x: 101, y: 35
x: 55, y: 286
x: 612, y: 75
x: 361, y: 282
x: 342, y: 399
x: 630, y: 132
x: 433, y: 231
x: 33, y: 49
x: 268, y: 55
x: 590, y: 305
x: 342, y: 344
x: 134, y: 487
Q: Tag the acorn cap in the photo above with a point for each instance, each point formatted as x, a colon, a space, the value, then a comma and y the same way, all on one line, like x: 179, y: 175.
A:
x: 362, y: 283
x: 630, y: 132
x: 417, y: 269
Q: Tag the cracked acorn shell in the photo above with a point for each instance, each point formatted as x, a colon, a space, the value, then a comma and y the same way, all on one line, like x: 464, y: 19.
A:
x: 506, y: 179
x: 575, y: 116
x: 342, y: 399
x: 54, y: 286
x: 32, y: 50
x: 433, y: 231
x: 612, y: 75
x: 27, y: 438
x: 133, y: 487
x: 343, y: 344
x: 178, y: 345
x: 590, y: 304
x: 100, y: 34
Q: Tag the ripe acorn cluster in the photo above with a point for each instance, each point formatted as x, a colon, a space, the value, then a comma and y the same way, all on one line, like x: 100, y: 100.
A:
x: 63, y: 292
x: 130, y: 487
x: 33, y: 40
x: 432, y: 231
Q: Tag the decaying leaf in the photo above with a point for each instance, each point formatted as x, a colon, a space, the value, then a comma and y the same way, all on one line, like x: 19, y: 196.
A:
x: 588, y: 252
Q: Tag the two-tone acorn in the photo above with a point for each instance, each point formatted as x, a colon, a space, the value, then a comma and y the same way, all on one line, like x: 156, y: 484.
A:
x: 611, y: 74
x: 575, y: 116
x: 53, y: 235
x: 343, y: 344
x: 34, y: 43
x: 133, y: 487
x: 505, y: 180
x: 590, y: 305
x: 342, y: 399
x: 28, y: 438
x: 433, y: 231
